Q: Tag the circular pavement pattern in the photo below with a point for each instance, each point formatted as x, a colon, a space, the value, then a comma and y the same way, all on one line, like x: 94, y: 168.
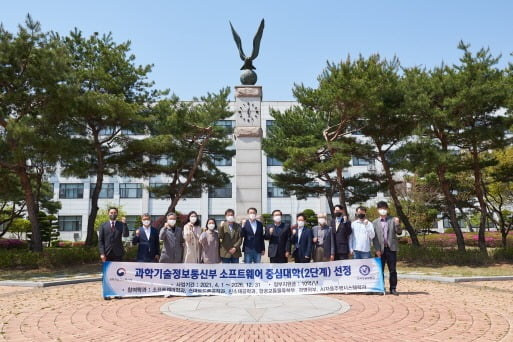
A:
x: 424, y: 311
x: 254, y: 309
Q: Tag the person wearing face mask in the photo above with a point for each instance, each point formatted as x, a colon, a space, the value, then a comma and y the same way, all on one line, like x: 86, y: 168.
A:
x: 191, y: 234
x: 147, y: 240
x: 209, y: 241
x: 363, y: 233
x: 386, y: 245
x: 341, y: 230
x: 278, y: 234
x: 230, y: 239
x: 172, y: 236
x: 110, y: 242
x: 323, y: 242
x: 253, y: 235
x: 302, y: 239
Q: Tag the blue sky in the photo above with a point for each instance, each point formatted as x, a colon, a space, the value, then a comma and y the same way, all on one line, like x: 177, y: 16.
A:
x: 192, y: 49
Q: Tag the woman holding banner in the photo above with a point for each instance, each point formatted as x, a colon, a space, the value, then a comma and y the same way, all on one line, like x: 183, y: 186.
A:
x: 209, y: 241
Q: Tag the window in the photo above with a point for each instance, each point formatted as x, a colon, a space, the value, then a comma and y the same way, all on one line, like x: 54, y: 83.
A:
x: 106, y: 131
x: 159, y: 188
x: 132, y: 221
x: 274, y: 191
x: 70, y: 223
x: 162, y: 160
x: 228, y: 125
x: 220, y: 161
x: 130, y: 190
x: 71, y: 190
x: 273, y: 162
x: 362, y: 162
x: 107, y: 190
x: 128, y: 132
x: 194, y: 192
x: 218, y: 218
x: 221, y: 192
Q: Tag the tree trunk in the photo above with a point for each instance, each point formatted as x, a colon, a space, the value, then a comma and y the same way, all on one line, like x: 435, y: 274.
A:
x: 329, y: 198
x: 341, y: 189
x: 32, y: 209
x: 451, y: 208
x: 397, y: 202
x: 91, y: 238
x: 480, y: 197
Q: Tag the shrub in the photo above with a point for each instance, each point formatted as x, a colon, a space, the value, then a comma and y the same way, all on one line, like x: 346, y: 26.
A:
x: 13, y: 244
x: 449, y: 230
x: 503, y: 254
x: 436, y: 256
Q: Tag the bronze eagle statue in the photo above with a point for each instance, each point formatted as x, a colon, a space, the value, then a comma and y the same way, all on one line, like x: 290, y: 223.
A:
x: 248, y: 61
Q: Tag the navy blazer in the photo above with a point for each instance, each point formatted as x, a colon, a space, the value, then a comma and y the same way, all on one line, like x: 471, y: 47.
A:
x: 341, y: 237
x: 304, y: 245
x: 147, y: 250
x: 251, y: 240
x: 279, y: 243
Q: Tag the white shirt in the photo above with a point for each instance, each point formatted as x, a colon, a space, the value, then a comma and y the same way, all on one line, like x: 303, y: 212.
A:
x: 253, y: 226
x: 147, y: 231
x: 299, y: 232
x: 361, y: 237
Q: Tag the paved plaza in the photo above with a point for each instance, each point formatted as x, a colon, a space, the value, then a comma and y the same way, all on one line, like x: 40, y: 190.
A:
x: 424, y: 311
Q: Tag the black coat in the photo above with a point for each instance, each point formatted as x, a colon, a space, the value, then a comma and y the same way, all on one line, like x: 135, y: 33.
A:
x: 304, y: 245
x: 279, y: 242
x: 341, y: 237
x: 110, y: 242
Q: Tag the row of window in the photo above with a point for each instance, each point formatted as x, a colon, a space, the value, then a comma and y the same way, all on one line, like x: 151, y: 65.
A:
x: 134, y: 190
x: 74, y: 223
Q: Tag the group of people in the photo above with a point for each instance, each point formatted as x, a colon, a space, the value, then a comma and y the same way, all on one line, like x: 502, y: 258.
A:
x: 338, y: 240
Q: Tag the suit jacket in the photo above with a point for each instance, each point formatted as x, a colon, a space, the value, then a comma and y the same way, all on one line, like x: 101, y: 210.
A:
x: 304, y: 245
x: 328, y: 242
x: 228, y: 239
x: 110, y: 243
x: 147, y: 249
x: 254, y: 241
x: 341, y: 237
x: 279, y: 242
x: 394, y: 229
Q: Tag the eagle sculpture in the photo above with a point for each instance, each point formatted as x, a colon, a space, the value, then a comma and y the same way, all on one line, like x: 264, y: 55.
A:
x: 248, y: 61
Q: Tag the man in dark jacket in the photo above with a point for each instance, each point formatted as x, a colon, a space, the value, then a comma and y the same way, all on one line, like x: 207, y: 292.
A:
x: 147, y: 239
x: 278, y: 234
x: 341, y: 230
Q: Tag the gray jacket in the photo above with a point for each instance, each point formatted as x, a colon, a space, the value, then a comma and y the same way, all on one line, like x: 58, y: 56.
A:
x: 394, y: 230
x: 172, y: 251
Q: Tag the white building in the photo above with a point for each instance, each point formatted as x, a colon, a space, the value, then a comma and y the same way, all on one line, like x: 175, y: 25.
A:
x: 133, y: 196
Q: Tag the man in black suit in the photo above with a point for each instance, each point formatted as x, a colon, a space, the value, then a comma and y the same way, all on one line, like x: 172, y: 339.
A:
x: 253, y: 234
x: 278, y: 234
x: 341, y: 230
x: 109, y: 238
x: 147, y: 239
x: 302, y: 238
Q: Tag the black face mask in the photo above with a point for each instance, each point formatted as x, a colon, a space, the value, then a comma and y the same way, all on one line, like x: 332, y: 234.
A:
x: 338, y: 213
x: 361, y: 216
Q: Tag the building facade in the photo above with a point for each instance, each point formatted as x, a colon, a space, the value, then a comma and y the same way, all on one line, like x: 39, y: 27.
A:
x: 250, y: 182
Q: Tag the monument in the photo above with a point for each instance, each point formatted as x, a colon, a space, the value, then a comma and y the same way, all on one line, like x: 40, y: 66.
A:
x: 248, y: 131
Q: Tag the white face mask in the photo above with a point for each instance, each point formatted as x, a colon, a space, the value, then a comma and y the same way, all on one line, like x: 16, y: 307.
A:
x: 300, y: 224
x: 383, y: 212
x: 277, y: 218
x: 229, y: 218
x: 171, y: 222
x: 211, y: 226
x: 193, y: 219
x: 252, y: 217
x: 146, y: 223
x: 322, y: 221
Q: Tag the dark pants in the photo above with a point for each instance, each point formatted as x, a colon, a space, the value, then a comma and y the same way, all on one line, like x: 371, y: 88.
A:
x: 342, y: 256
x: 302, y: 261
x: 114, y: 257
x: 278, y: 260
x: 231, y: 260
x: 390, y: 258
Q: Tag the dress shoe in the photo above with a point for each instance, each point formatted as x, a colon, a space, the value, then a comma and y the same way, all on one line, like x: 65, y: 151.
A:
x: 394, y: 292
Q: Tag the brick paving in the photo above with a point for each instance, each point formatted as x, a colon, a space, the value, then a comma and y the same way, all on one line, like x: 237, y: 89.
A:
x: 425, y: 311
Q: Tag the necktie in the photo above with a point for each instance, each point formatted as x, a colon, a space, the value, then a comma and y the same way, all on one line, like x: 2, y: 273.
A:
x: 338, y: 224
x: 112, y: 226
x: 385, y: 231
